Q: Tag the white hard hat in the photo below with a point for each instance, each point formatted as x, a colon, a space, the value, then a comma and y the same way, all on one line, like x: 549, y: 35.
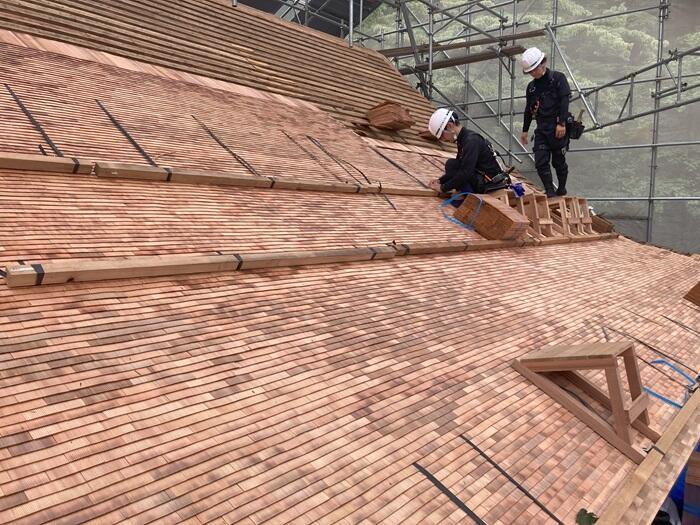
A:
x: 531, y: 58
x: 438, y: 121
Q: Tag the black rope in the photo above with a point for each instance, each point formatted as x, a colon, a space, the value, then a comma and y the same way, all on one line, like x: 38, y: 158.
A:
x: 314, y: 157
x: 429, y: 159
x: 684, y: 326
x: 221, y: 143
x: 34, y: 122
x: 511, y: 479
x: 340, y: 163
x: 653, y: 349
x: 333, y: 157
x: 451, y: 495
x: 126, y: 134
x: 399, y: 167
x: 649, y: 363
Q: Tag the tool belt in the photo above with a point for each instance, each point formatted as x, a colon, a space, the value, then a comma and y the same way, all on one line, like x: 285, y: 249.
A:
x: 496, y: 182
x: 574, y: 126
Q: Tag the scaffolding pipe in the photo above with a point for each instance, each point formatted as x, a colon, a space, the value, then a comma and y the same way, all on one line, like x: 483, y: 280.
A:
x: 351, y: 21
x: 621, y: 84
x: 602, y: 17
x: 555, y: 18
x: 642, y: 199
x: 632, y: 146
x: 663, y: 13
x: 571, y: 74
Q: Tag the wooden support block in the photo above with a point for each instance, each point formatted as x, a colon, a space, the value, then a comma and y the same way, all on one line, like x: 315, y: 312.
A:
x: 600, y: 426
x: 492, y: 218
x: 693, y: 295
x: 18, y: 161
x: 130, y: 171
x: 81, y: 270
x: 184, y: 176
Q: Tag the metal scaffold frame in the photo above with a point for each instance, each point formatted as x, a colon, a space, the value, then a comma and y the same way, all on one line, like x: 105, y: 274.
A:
x: 500, y: 42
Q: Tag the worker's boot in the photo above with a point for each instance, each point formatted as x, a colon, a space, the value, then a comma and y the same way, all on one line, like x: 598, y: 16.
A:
x: 560, y: 166
x: 548, y: 185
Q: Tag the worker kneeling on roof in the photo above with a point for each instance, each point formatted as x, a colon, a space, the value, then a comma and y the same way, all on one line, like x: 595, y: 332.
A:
x: 475, y: 170
x: 547, y: 101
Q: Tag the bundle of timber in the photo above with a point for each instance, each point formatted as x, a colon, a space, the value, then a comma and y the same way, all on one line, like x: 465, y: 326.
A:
x: 389, y: 115
x: 492, y: 218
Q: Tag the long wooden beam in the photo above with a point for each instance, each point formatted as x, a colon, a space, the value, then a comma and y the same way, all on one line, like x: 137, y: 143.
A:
x: 84, y: 270
x: 466, y: 59
x: 423, y: 48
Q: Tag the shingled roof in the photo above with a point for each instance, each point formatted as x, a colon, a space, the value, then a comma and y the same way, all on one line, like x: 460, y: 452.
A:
x: 268, y: 387
x: 241, y: 45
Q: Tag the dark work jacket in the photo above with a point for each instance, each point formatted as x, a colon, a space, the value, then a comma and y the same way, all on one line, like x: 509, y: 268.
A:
x: 547, y: 98
x: 474, y: 158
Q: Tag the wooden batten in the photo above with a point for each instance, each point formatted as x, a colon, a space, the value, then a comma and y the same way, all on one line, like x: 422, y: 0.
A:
x: 300, y: 258
x: 82, y: 270
x: 18, y: 161
x: 184, y: 176
x: 672, y: 449
x: 130, y: 171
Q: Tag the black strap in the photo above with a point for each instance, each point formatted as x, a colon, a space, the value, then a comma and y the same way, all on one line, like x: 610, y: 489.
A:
x: 399, y: 167
x: 240, y: 261
x: 35, y: 123
x: 126, y: 134
x: 447, y: 492
x: 39, y: 269
x: 511, y: 479
x: 221, y: 143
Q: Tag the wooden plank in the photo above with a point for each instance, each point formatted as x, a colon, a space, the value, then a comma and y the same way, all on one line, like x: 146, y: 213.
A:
x: 83, y: 270
x: 279, y: 259
x: 575, y: 407
x: 622, y: 502
x: 22, y: 162
x: 185, y: 176
x: 582, y: 351
x: 634, y: 379
x: 565, y: 365
x: 620, y: 420
x: 130, y: 171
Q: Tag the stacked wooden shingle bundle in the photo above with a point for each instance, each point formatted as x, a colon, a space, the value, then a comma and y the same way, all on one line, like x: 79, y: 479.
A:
x: 390, y: 115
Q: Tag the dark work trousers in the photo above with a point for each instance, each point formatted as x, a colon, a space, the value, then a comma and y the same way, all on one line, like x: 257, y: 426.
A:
x: 547, y: 147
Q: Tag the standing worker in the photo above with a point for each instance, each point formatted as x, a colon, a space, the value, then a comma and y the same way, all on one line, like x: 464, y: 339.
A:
x: 547, y: 102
